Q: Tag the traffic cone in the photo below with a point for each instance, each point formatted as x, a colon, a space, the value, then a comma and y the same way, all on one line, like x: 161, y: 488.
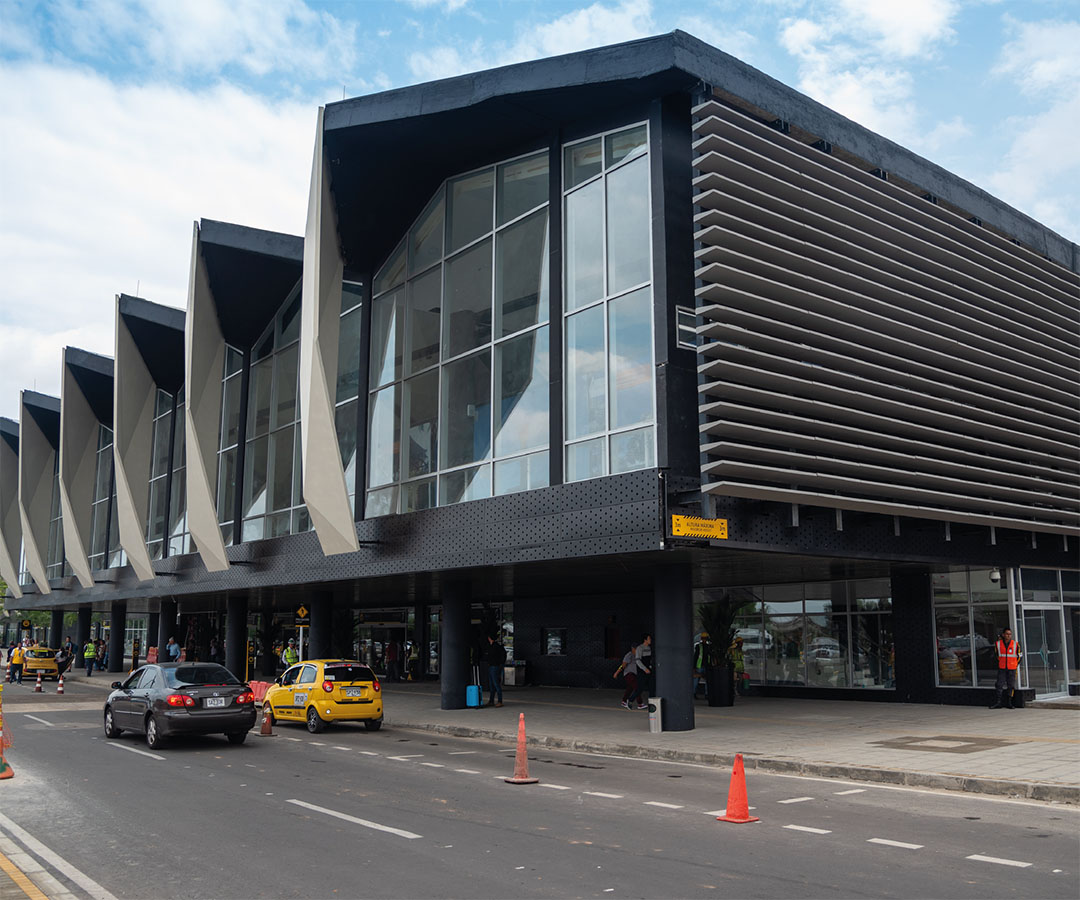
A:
x: 521, y: 761
x: 267, y: 729
x: 5, y: 770
x: 738, y: 809
x: 37, y: 686
x: 60, y: 685
x: 8, y: 679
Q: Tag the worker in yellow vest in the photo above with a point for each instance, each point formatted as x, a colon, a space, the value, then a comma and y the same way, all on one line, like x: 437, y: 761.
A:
x: 1008, y: 662
x: 15, y: 663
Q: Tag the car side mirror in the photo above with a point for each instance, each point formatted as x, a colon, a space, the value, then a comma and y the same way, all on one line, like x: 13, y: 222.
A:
x: 278, y: 679
x: 115, y: 685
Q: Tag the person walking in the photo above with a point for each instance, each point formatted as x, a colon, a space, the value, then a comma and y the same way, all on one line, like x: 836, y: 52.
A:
x: 393, y: 668
x: 738, y: 658
x: 495, y: 657
x: 15, y: 663
x: 89, y: 657
x: 172, y: 650
x: 643, y: 660
x: 1008, y: 662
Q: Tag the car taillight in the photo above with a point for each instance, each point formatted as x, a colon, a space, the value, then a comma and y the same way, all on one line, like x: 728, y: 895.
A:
x: 328, y: 686
x: 180, y: 700
x: 246, y: 697
x: 377, y: 686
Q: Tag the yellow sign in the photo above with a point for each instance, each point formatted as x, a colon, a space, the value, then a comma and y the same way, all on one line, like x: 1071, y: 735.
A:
x: 301, y: 613
x: 695, y: 526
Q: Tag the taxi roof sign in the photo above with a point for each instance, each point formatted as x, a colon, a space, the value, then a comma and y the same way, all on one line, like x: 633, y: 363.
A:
x: 695, y: 526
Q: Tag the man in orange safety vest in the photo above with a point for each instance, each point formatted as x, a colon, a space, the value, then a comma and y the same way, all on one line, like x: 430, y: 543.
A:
x: 1008, y: 661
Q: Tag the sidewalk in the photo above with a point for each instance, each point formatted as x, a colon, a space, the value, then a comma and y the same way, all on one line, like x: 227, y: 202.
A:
x: 1032, y: 753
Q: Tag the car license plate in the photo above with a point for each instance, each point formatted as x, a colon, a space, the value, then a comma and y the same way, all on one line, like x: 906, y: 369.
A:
x: 354, y: 692
x: 214, y: 701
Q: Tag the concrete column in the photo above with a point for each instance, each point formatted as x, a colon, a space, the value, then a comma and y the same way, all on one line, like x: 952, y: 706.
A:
x: 322, y: 606
x: 117, y: 624
x: 235, y: 635
x: 166, y: 629
x: 267, y: 659
x: 56, y: 628
x: 913, y: 634
x: 454, y: 654
x: 83, y: 632
x: 420, y: 613
x: 673, y: 645
x: 152, y: 626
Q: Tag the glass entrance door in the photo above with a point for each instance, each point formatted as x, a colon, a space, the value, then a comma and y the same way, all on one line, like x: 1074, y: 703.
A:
x: 1044, y: 650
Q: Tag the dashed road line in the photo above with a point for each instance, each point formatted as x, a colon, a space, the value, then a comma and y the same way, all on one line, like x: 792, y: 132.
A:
x: 134, y: 750
x: 999, y: 861
x: 602, y: 794
x: 366, y: 823
x: 294, y: 740
x: 663, y: 805
x: 42, y: 721
x: 317, y: 743
x: 808, y: 829
x: 406, y: 757
x: 468, y: 771
x: 795, y: 800
x: 845, y: 793
x: 335, y: 747
x: 887, y: 843
x: 368, y: 752
x: 463, y: 752
x: 434, y: 765
x: 554, y: 787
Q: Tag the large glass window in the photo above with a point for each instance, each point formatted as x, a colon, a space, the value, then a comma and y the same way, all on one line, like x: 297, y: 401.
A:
x: 348, y: 380
x: 166, y: 521
x: 459, y: 407
x: 970, y: 611
x: 609, y: 394
x: 55, y: 565
x: 228, y: 447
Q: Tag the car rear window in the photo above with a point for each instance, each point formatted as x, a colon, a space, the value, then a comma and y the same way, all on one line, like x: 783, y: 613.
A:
x: 41, y: 654
x: 347, y: 672
x: 202, y: 674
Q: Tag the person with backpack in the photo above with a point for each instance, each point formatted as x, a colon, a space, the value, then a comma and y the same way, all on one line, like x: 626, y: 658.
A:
x: 495, y: 657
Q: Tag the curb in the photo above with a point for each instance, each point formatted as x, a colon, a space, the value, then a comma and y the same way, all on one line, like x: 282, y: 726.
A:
x: 998, y: 787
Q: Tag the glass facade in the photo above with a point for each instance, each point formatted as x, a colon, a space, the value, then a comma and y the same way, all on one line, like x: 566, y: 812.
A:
x: 348, y: 381
x: 609, y: 386
x: 229, y: 441
x: 166, y: 520
x: 105, y: 550
x: 970, y: 611
x: 458, y: 376
x: 55, y: 565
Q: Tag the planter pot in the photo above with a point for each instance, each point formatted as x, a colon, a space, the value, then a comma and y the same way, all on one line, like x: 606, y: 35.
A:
x: 721, y: 685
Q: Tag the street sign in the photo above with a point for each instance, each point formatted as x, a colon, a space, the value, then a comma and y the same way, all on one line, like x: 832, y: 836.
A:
x: 302, y: 617
x: 695, y: 526
x: 26, y: 624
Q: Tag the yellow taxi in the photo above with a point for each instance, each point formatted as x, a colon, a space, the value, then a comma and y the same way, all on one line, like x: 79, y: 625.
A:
x: 320, y: 691
x: 40, y: 659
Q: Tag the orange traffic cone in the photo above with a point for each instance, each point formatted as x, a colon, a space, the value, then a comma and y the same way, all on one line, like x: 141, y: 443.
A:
x: 267, y: 726
x: 738, y: 810
x: 37, y: 687
x: 521, y: 761
x: 60, y: 685
x: 5, y: 770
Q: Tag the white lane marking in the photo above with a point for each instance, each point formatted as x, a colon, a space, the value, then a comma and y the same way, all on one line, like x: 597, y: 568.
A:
x: 602, y: 794
x: 1001, y: 862
x: 341, y: 748
x: 95, y: 890
x: 462, y: 752
x: 48, y: 885
x: 42, y: 721
x: 554, y: 787
x: 716, y: 812
x: 406, y: 756
x: 434, y: 765
x: 807, y: 829
x: 294, y: 740
x: 662, y: 805
x: 369, y: 753
x: 845, y: 793
x: 133, y: 750
x: 795, y: 800
x: 887, y: 843
x: 364, y: 822
x: 317, y: 743
x: 468, y: 771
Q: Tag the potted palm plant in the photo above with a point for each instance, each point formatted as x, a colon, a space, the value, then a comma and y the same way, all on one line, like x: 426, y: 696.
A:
x: 718, y: 619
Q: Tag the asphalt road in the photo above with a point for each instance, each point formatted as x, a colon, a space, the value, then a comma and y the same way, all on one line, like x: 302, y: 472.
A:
x: 407, y: 814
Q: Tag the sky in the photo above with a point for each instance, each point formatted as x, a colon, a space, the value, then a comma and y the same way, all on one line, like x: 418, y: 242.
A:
x: 123, y: 121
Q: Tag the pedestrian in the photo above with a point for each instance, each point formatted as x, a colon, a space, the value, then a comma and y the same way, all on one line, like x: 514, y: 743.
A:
x: 214, y: 653
x: 495, y: 657
x: 99, y: 655
x: 629, y: 670
x: 737, y: 657
x: 641, y: 654
x: 393, y: 668
x: 172, y: 650
x: 15, y: 663
x: 89, y: 655
x: 1008, y: 661
x: 289, y: 656
x: 701, y: 649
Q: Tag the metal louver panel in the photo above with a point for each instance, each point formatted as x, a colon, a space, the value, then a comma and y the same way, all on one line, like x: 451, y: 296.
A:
x: 866, y: 349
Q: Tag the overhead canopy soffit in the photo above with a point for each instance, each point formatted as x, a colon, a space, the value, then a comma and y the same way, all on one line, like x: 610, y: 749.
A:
x: 158, y: 332
x: 45, y: 411
x: 94, y: 376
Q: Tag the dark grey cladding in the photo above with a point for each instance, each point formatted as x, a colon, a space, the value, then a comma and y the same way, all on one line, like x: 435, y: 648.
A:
x: 158, y: 332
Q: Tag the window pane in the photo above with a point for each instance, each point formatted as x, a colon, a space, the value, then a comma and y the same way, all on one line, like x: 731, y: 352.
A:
x: 521, y: 270
x: 178, y: 504
x: 630, y: 359
x: 386, y: 339
x: 157, y: 510
x: 581, y: 162
x: 425, y: 239
x: 827, y: 650
x: 178, y: 458
x: 348, y: 377
x: 383, y: 423
x: 255, y: 472
x: 586, y: 460
x: 423, y: 321
x: 989, y: 621
x: 226, y: 485
x: 381, y: 503
x: 281, y: 469
x: 522, y: 185
x: 253, y: 529
x: 584, y: 246
x: 422, y: 418
x: 626, y: 144
x: 99, y: 530
x: 465, y: 484
x: 523, y: 473
x: 290, y: 322
x: 278, y: 524
x: 103, y: 475
x: 521, y: 400
x: 872, y: 652
x: 585, y: 380
x: 392, y: 273
x: 234, y: 361
x: 783, y: 649
x: 345, y: 425
x: 262, y: 380
x: 160, y: 463
x: 352, y: 295
x: 953, y: 645
x: 297, y: 470
x: 417, y: 495
x: 469, y: 209
x: 163, y: 401
x: 631, y: 450
x: 466, y: 411
x: 285, y: 366
x: 467, y: 322
x: 628, y: 245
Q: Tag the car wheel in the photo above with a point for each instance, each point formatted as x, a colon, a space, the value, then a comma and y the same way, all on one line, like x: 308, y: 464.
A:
x: 237, y: 737
x: 315, y: 722
x: 373, y: 724
x: 111, y: 731
x: 267, y: 708
x: 154, y: 738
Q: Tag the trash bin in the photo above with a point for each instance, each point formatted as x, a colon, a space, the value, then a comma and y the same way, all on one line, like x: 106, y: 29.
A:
x: 656, y: 722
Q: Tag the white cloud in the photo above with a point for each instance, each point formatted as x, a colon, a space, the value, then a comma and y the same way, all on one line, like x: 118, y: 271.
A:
x: 101, y: 184
x: 1043, y: 56
x: 946, y: 134
x: 896, y: 29
x: 447, y: 5
x: 720, y: 34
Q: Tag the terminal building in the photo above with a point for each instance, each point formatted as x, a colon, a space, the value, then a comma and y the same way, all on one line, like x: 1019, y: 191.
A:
x: 567, y: 349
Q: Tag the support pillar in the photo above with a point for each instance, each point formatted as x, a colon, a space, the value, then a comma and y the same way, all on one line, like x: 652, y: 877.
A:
x: 321, y: 625
x: 83, y: 631
x: 151, y: 632
x: 454, y: 653
x: 268, y: 661
x: 117, y: 628
x: 673, y: 645
x: 166, y: 629
x: 236, y: 636
x: 56, y: 628
x: 419, y: 642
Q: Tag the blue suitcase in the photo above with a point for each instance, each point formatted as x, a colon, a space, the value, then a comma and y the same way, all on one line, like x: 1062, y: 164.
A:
x: 473, y: 698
